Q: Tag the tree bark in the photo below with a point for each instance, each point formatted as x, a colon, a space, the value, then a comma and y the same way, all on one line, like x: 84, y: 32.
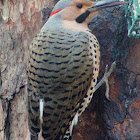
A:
x: 117, y: 119
x: 20, y: 21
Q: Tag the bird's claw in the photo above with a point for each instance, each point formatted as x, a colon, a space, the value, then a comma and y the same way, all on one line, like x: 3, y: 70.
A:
x: 105, y: 79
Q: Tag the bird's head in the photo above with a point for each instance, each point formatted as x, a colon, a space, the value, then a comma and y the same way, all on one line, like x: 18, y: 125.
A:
x: 80, y: 11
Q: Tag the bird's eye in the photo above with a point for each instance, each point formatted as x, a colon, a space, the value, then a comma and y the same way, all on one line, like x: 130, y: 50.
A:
x: 79, y: 6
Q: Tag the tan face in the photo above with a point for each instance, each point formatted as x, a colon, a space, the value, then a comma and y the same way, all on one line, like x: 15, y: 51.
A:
x: 76, y: 9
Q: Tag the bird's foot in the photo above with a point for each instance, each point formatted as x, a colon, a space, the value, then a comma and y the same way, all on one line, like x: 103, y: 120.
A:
x: 105, y: 79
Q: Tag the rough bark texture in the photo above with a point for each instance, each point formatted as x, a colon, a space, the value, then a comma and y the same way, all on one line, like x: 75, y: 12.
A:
x: 22, y: 20
x: 117, y: 119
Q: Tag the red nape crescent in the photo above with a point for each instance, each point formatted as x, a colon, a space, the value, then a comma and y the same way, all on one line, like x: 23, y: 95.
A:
x: 55, y: 12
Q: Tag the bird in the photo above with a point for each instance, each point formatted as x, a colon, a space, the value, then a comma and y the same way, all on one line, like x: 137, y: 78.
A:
x: 62, y: 70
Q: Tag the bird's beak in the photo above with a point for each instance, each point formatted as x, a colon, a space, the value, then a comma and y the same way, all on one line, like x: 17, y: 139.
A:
x: 105, y: 4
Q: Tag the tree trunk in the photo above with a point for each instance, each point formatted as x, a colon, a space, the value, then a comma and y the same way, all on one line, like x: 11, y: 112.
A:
x: 117, y: 119
x: 20, y: 21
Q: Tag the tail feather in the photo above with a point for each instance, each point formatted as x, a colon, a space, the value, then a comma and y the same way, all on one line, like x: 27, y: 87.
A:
x: 33, y: 116
x: 41, y: 106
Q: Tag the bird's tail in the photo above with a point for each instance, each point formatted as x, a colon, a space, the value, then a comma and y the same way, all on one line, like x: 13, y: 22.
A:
x: 33, y: 116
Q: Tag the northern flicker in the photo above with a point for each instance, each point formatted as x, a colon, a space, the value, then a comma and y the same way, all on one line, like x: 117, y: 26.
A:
x: 63, y: 68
